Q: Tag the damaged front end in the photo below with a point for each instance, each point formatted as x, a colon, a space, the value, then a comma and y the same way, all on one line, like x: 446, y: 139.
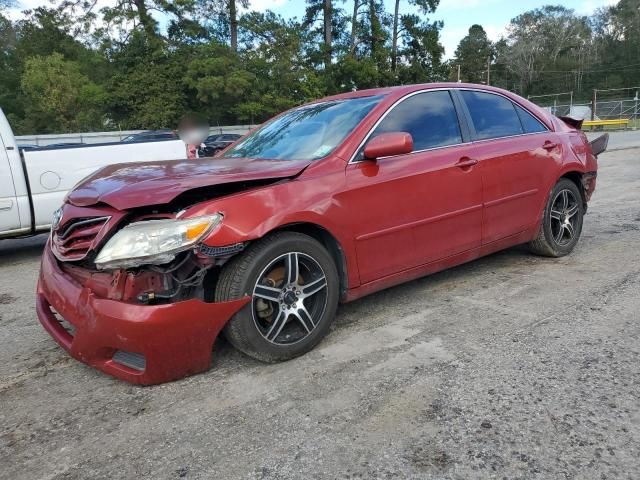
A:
x: 132, y: 292
x: 146, y: 258
x: 128, y: 275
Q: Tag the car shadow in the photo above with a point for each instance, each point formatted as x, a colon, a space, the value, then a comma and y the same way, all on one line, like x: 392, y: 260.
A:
x: 397, y: 295
x: 355, y: 313
x: 21, y: 249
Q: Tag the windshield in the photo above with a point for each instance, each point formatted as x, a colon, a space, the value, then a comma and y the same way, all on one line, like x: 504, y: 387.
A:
x: 305, y: 133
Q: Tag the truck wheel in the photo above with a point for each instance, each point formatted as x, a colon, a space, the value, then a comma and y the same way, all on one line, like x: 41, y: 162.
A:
x: 294, y: 288
x: 562, y: 221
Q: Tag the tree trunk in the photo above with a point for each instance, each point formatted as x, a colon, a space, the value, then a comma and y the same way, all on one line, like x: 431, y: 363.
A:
x: 394, y: 44
x: 233, y: 25
x: 328, y: 13
x: 376, y: 34
x: 147, y: 22
x: 354, y: 27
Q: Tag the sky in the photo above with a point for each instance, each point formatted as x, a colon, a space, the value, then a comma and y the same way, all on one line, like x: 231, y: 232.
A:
x: 457, y: 15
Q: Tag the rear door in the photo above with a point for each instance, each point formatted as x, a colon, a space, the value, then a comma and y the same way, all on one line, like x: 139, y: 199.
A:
x: 412, y: 209
x: 9, y: 214
x: 516, y: 152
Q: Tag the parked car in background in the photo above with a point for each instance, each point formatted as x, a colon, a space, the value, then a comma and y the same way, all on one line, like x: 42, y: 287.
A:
x: 64, y: 145
x: 325, y: 203
x: 215, y: 143
x: 151, y: 136
x: 34, y: 180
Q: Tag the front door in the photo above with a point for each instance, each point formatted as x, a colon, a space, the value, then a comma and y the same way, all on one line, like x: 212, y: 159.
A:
x: 413, y: 209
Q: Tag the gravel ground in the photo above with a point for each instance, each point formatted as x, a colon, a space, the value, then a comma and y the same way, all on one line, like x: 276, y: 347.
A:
x: 513, y: 366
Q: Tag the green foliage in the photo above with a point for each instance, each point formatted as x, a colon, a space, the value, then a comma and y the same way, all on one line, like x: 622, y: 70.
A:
x: 552, y: 49
x: 57, y: 93
x: 10, y: 66
x: 76, y: 66
x: 422, y: 55
x: 472, y: 54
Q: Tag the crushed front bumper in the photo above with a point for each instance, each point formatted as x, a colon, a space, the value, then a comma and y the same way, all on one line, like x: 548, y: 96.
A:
x: 143, y: 344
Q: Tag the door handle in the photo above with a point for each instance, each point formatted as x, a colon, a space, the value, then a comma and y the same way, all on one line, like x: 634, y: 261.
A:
x: 549, y: 145
x: 466, y: 162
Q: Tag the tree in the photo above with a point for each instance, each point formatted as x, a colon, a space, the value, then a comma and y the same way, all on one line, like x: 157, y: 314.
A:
x: 146, y: 88
x: 426, y: 7
x: 219, y: 81
x: 138, y: 13
x: 225, y: 13
x: 10, y: 67
x: 422, y: 54
x: 617, y: 43
x: 548, y: 38
x: 315, y: 8
x: 233, y: 21
x: 276, y: 54
x: 327, y: 15
x: 154, y: 60
x: 472, y: 54
x: 374, y: 36
x: 59, y: 98
x: 354, y: 26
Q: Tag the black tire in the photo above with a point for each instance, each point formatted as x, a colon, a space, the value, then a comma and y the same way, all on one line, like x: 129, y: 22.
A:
x: 559, y: 233
x: 247, y: 330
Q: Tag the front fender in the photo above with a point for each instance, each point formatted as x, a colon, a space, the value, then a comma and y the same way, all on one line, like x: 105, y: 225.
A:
x: 253, y: 214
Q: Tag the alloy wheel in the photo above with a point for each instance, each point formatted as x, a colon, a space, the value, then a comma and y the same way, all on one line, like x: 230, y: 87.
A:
x: 289, y: 298
x: 563, y: 217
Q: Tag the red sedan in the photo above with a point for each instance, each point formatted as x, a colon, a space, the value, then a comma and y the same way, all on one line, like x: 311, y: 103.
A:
x: 148, y: 263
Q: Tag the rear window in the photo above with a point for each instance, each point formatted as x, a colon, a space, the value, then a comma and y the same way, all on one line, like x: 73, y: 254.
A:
x: 492, y: 115
x: 530, y: 123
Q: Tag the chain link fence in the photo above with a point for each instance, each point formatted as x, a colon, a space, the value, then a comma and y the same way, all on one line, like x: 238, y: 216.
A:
x: 611, y: 104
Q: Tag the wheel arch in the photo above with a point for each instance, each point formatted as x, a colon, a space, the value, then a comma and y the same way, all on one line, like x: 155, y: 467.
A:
x: 328, y: 240
x: 576, y: 177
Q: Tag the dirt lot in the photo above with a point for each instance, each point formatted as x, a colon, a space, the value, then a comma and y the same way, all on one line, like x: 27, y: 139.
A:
x: 512, y: 366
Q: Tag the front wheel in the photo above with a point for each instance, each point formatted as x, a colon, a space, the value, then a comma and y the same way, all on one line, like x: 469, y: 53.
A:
x: 561, y: 222
x: 294, y: 288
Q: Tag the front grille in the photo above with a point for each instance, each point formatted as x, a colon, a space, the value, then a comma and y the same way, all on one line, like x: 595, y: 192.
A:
x: 73, y: 240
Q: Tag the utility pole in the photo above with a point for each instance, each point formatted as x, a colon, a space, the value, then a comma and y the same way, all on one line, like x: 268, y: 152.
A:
x: 459, y: 74
x: 594, y: 101
x: 489, y: 70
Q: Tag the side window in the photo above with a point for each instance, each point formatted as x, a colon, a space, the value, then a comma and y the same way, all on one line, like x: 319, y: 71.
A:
x: 530, y: 123
x: 492, y: 115
x: 429, y: 117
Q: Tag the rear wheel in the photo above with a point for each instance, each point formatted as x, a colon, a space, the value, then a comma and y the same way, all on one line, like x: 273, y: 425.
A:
x: 562, y: 221
x: 294, y: 288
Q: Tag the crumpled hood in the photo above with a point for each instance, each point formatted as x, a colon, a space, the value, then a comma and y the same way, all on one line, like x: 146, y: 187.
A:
x: 132, y: 185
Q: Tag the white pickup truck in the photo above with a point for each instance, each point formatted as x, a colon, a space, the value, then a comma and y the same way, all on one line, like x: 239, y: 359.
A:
x: 34, y: 183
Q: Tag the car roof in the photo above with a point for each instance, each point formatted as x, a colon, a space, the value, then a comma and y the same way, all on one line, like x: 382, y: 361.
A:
x: 394, y: 93
x: 404, y: 89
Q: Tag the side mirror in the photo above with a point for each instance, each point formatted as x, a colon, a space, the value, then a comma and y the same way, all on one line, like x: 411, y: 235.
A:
x: 388, y: 144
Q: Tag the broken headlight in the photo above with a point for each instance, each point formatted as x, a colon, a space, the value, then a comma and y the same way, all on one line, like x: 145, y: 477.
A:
x: 154, y: 242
